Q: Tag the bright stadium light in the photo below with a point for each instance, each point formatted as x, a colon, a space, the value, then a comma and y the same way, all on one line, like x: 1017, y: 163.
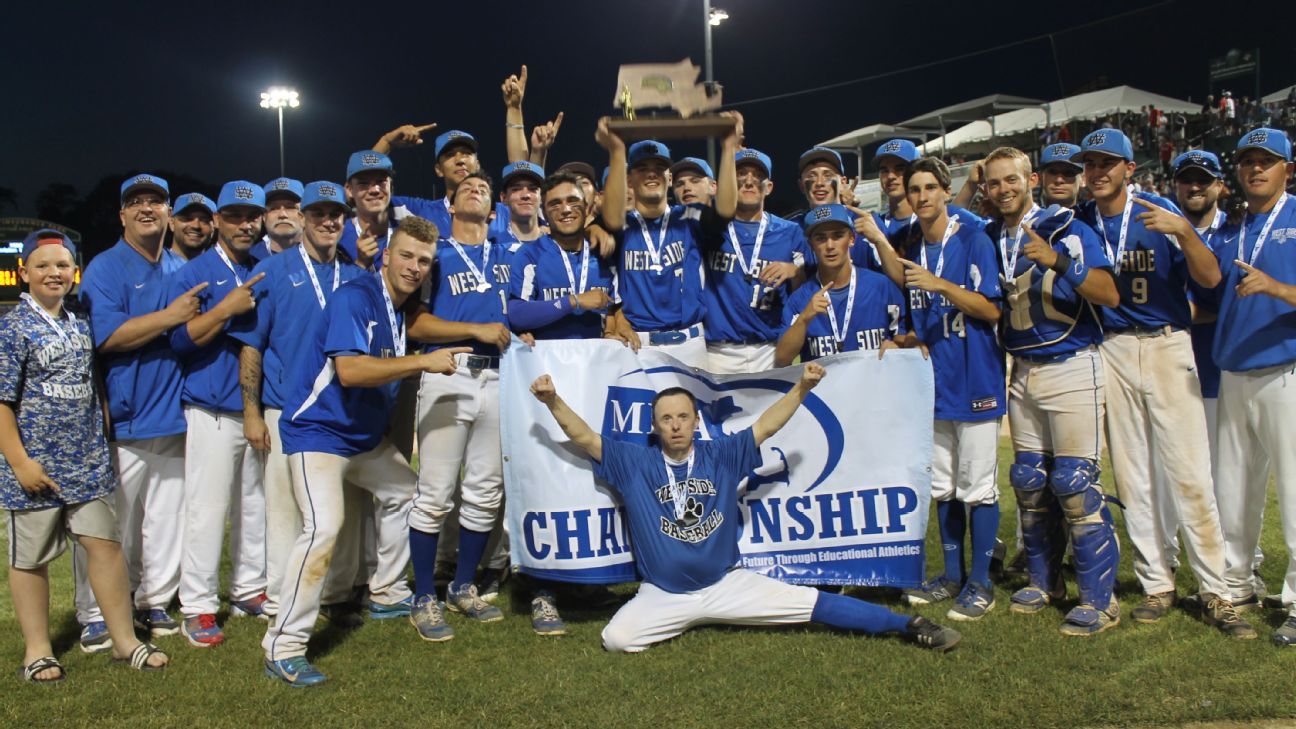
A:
x: 717, y: 16
x: 277, y: 97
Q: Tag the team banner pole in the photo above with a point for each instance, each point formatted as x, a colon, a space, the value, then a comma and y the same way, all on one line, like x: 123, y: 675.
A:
x: 841, y: 498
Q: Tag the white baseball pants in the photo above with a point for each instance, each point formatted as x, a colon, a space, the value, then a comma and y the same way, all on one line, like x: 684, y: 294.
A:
x: 317, y: 484
x: 150, y: 510
x: 735, y: 358
x: 1154, y: 406
x: 1257, y: 433
x: 965, y: 461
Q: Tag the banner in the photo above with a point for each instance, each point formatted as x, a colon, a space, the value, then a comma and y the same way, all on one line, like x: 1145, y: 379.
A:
x: 841, y: 497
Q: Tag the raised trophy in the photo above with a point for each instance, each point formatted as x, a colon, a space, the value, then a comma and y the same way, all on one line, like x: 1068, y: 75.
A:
x: 681, y: 107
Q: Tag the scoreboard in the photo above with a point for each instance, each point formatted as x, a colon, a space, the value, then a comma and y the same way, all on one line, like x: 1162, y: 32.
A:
x: 12, y: 233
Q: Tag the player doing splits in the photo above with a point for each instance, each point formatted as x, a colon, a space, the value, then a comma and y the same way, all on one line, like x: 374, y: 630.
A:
x: 681, y: 501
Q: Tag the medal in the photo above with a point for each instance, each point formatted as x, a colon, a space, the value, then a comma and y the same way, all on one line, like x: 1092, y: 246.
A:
x: 483, y: 285
x: 654, y: 252
x: 679, y: 490
x: 1010, y: 262
x: 839, y: 333
x: 397, y: 332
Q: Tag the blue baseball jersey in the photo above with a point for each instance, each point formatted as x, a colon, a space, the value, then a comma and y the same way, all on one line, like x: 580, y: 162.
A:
x: 261, y: 250
x: 287, y: 311
x: 690, y: 553
x: 1203, y: 335
x: 454, y: 295
x: 1257, y: 331
x: 1153, y: 277
x: 965, y: 354
x: 211, y: 371
x: 901, y: 232
x: 321, y: 415
x: 669, y: 298
x: 739, y: 308
x: 143, y: 384
x: 538, y: 274
x: 1044, y: 316
x: 46, y: 377
x: 876, y: 314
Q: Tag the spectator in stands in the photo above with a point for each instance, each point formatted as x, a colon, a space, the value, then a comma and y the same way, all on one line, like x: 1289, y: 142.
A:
x: 1167, y: 155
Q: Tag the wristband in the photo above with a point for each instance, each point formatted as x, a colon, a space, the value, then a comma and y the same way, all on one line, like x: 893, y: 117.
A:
x: 508, y: 125
x: 575, y: 304
x: 1072, y: 271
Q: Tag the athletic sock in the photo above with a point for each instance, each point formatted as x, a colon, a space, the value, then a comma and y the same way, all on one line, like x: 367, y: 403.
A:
x: 952, y: 518
x: 985, y: 526
x: 423, y: 549
x: 472, y: 545
x: 849, y: 613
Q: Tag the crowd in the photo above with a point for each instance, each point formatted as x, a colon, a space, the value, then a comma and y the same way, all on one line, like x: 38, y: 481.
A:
x: 278, y: 365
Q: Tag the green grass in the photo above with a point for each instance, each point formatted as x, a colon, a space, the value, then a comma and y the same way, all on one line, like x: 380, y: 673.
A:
x: 1011, y: 671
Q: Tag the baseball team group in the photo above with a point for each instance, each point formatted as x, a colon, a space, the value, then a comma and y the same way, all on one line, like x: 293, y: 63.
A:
x: 267, y: 366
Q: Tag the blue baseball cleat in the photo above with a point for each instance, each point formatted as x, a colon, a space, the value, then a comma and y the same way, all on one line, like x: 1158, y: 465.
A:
x: 389, y: 610
x: 296, y: 672
x: 95, y: 638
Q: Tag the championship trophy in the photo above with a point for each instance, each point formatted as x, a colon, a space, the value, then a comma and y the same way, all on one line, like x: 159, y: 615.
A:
x: 673, y: 88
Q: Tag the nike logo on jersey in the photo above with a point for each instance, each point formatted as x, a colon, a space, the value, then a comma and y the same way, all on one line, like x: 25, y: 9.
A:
x: 139, y: 286
x: 222, y: 282
x: 297, y: 283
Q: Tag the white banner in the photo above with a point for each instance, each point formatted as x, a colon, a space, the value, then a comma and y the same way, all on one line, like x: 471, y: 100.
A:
x: 842, y: 495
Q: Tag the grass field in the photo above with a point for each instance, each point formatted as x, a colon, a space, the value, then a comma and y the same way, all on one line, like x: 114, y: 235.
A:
x: 1010, y: 671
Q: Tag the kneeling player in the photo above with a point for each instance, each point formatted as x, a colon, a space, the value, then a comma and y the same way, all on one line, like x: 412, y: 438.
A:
x: 670, y: 492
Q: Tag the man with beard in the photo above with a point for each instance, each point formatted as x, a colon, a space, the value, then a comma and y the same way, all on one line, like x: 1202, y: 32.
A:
x: 283, y: 218
x: 223, y: 471
x: 191, y: 225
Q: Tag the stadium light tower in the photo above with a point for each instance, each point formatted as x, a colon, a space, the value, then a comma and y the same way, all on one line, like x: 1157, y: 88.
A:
x: 713, y: 17
x: 277, y: 97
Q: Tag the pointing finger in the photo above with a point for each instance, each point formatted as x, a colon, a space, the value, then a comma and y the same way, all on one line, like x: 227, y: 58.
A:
x: 557, y: 122
x: 425, y: 127
x: 197, y: 288
x: 1244, y: 265
x: 253, y: 281
x: 856, y: 210
x: 1146, y: 204
x: 908, y: 263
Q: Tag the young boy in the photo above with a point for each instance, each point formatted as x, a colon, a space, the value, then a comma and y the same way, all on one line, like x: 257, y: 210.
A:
x: 56, y: 478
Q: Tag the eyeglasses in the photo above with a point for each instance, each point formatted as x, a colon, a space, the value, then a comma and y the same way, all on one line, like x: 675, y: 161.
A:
x: 145, y: 202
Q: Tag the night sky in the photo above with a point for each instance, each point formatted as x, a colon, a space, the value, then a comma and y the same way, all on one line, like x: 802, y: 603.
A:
x: 97, y: 91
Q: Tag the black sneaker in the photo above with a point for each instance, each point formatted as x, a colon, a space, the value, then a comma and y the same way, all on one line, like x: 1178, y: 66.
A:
x: 929, y: 635
x: 1154, y: 607
x: 1285, y: 635
x: 1220, y: 613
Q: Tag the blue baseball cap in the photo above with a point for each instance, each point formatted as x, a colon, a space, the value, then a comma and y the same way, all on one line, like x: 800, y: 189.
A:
x: 817, y: 154
x: 190, y: 199
x: 1273, y: 141
x: 454, y: 136
x: 46, y: 237
x: 367, y: 159
x: 1060, y: 154
x: 322, y: 191
x: 521, y: 168
x: 283, y: 186
x: 145, y: 181
x: 646, y: 150
x: 1111, y: 142
x: 902, y: 149
x: 693, y: 163
x: 1201, y: 159
x: 241, y: 192
x: 827, y: 214
x: 756, y: 157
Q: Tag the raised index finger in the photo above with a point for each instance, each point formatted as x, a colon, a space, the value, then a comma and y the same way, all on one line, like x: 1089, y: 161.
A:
x: 197, y: 288
x: 1243, y: 265
x: 1147, y: 204
x: 425, y: 127
x: 557, y: 122
x: 253, y: 281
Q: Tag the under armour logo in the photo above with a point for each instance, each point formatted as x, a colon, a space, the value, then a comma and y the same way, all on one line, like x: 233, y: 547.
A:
x: 243, y: 193
x: 1259, y: 136
x: 370, y: 160
x: 328, y: 191
x: 823, y: 213
x: 1097, y: 139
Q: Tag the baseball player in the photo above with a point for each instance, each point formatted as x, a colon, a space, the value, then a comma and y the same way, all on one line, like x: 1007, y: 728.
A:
x: 954, y: 295
x: 660, y: 266
x: 1060, y: 178
x: 1255, y: 347
x: 369, y: 187
x: 223, y: 472
x: 846, y: 308
x: 559, y: 290
x: 458, y: 416
x: 692, y: 182
x: 126, y: 291
x: 339, y: 406
x: 520, y: 191
x: 751, y: 269
x: 191, y: 225
x: 1153, y: 396
x: 56, y: 478
x: 1054, y: 269
x: 681, y: 502
x: 290, y: 300
x: 283, y: 218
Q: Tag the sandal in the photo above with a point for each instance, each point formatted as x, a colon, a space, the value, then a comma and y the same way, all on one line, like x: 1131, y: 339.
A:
x: 29, y: 671
x: 139, y: 657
